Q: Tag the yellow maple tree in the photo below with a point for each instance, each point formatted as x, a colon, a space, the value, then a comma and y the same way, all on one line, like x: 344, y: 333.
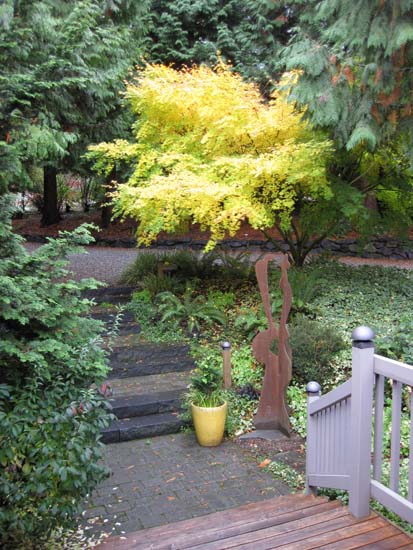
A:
x: 211, y: 150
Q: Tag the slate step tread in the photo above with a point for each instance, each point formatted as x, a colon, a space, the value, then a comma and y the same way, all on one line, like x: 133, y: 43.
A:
x: 151, y: 383
x: 141, y: 427
x: 113, y: 294
x: 128, y: 406
x: 149, y: 359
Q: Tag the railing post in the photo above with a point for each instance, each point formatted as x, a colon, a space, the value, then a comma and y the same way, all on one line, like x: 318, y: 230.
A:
x: 313, y: 393
x: 362, y: 383
x: 226, y: 359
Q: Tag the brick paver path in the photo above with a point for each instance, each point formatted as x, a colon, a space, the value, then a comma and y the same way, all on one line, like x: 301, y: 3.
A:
x: 169, y: 478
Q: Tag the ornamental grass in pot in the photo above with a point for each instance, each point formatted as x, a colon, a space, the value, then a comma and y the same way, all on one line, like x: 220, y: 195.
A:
x: 208, y: 405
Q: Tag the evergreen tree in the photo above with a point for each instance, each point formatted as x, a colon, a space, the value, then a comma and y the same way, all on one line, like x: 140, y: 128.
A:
x: 356, y: 68
x: 51, y: 412
x: 62, y: 69
x: 247, y: 33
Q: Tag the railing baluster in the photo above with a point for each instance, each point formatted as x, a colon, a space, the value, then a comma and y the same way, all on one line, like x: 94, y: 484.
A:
x: 327, y: 438
x: 410, y: 493
x: 334, y: 439
x: 378, y: 428
x: 395, y: 435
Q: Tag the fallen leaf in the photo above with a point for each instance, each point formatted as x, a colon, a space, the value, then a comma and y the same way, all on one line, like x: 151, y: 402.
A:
x: 264, y: 463
x: 171, y: 479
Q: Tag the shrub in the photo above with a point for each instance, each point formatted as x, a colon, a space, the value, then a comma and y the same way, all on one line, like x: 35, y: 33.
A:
x: 50, y: 416
x: 313, y: 346
x: 146, y: 263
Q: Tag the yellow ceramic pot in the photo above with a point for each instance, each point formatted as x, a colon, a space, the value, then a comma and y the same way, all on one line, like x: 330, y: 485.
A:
x: 209, y: 423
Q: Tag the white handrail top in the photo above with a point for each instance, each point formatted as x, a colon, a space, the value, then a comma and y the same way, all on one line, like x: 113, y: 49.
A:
x: 393, y: 369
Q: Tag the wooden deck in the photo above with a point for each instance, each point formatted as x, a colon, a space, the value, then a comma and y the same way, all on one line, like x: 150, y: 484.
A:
x: 293, y: 522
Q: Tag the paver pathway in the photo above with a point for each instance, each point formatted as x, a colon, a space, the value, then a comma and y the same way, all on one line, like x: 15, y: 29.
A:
x: 165, y: 479
x: 170, y: 478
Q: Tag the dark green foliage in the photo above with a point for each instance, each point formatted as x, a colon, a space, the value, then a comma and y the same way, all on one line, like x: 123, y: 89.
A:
x: 246, y: 33
x: 313, y: 345
x: 356, y: 60
x: 398, y: 344
x: 146, y: 263
x: 190, y: 311
x: 51, y: 417
x: 63, y: 65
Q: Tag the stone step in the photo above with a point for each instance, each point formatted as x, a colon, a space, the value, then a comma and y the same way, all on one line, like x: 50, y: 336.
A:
x: 149, y: 359
x: 127, y: 323
x: 148, y: 384
x: 140, y: 427
x: 111, y: 295
x: 128, y: 406
x: 108, y: 316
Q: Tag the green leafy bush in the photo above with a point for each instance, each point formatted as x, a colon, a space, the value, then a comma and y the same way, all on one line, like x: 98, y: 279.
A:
x: 51, y: 358
x: 313, y: 347
x: 146, y: 263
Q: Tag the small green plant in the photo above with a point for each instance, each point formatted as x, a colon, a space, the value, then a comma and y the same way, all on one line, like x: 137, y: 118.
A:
x: 245, y: 370
x: 221, y: 300
x: 189, y: 311
x: 241, y: 411
x: 205, y: 389
x: 249, y: 322
x: 297, y: 404
x: 284, y: 472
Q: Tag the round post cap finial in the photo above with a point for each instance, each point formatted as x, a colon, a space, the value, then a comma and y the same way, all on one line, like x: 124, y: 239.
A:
x: 226, y: 345
x: 362, y: 334
x: 313, y: 387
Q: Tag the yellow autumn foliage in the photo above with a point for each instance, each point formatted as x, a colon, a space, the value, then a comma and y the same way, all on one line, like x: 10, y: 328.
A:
x: 210, y: 150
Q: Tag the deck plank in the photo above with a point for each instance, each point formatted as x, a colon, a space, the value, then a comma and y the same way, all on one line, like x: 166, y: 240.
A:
x: 292, y: 522
x: 243, y: 514
x: 400, y: 540
x: 303, y: 537
x: 245, y: 527
x: 328, y: 538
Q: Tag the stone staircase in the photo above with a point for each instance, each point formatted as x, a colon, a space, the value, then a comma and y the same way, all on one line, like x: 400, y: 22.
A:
x: 148, y: 380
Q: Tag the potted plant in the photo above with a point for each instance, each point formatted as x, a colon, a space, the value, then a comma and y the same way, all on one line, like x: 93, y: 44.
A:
x: 208, y: 404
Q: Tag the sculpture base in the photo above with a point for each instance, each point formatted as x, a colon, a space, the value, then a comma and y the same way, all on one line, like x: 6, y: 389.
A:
x: 270, y: 435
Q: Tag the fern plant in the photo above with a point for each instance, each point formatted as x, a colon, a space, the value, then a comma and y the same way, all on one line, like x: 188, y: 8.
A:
x: 188, y: 311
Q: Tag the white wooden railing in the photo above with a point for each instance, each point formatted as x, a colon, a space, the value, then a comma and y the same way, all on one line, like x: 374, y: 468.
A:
x: 343, y: 449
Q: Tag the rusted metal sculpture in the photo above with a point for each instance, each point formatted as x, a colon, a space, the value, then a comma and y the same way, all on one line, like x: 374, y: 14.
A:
x: 272, y: 410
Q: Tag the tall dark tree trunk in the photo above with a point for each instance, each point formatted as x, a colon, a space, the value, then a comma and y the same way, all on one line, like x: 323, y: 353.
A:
x: 107, y: 207
x: 50, y: 209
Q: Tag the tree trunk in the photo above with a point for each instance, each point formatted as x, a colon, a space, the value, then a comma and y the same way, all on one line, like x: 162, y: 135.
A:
x: 50, y: 209
x: 107, y: 207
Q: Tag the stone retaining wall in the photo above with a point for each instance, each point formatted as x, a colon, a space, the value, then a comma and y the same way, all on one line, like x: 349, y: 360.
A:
x: 383, y: 247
